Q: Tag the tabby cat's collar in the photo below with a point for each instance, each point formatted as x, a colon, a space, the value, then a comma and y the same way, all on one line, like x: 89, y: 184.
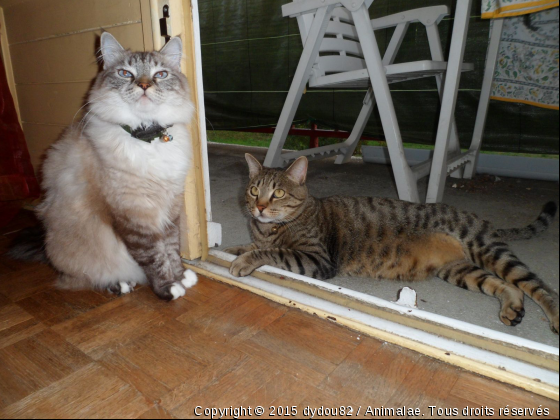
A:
x: 150, y: 133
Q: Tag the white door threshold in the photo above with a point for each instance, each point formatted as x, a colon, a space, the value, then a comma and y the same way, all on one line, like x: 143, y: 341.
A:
x: 536, y: 372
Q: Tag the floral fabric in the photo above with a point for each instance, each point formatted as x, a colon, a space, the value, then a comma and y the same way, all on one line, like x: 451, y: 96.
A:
x: 527, y: 67
x: 506, y: 8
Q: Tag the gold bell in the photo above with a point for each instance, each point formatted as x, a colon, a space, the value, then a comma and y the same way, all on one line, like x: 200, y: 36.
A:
x: 275, y: 229
x: 165, y: 138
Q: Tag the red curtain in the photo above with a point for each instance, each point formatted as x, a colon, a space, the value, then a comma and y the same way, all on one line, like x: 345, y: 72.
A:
x: 17, y: 179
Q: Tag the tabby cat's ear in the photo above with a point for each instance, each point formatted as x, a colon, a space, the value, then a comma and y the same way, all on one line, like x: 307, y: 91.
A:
x: 111, y: 50
x: 298, y: 170
x: 173, y: 51
x: 254, y: 165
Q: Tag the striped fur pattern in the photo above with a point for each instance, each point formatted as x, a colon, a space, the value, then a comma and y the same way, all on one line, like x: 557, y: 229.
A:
x: 540, y: 225
x: 385, y: 238
x: 111, y: 202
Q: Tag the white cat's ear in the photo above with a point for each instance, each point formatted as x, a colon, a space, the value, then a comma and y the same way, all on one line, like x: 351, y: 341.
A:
x: 254, y: 165
x: 297, y: 171
x: 110, y: 49
x: 173, y: 51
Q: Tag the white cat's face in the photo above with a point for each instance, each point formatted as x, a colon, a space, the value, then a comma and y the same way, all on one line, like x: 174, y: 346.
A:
x: 141, y: 88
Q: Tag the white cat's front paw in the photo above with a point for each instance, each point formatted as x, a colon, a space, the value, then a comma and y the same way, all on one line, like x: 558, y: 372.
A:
x: 189, y: 279
x: 177, y: 290
x: 121, y: 288
x: 126, y: 287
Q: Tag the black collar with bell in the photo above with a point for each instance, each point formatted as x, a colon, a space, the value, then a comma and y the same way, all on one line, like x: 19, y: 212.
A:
x: 149, y: 133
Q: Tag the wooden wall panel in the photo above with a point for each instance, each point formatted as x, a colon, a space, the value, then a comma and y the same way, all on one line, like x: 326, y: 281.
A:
x: 53, y: 48
x: 52, y: 103
x: 37, y: 136
x: 38, y: 19
x: 67, y: 58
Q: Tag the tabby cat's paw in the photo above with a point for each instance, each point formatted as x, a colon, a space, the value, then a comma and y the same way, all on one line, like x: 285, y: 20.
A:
x: 512, y: 315
x: 242, y: 266
x: 553, y: 314
x: 121, y: 288
x: 512, y: 311
x: 554, y: 326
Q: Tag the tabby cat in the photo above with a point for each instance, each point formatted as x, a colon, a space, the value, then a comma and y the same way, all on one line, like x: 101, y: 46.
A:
x: 385, y: 238
x: 113, y: 184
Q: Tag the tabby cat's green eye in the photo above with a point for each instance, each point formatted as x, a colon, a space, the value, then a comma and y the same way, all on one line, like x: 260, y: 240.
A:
x: 279, y: 193
x: 254, y: 191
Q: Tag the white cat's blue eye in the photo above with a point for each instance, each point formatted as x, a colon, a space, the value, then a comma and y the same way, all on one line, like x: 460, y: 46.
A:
x: 125, y: 73
x: 161, y: 75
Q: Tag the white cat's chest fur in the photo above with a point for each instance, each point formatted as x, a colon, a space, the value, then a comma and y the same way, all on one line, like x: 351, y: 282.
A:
x: 141, y: 177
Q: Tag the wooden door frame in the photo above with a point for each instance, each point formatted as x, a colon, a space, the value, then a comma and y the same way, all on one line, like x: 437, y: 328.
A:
x: 196, y: 228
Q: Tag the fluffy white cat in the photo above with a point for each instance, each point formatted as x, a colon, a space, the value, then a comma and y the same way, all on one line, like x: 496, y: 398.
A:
x: 113, y: 184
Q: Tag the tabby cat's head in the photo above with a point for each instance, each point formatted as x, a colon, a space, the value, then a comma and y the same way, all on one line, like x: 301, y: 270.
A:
x: 276, y: 196
x: 141, y: 88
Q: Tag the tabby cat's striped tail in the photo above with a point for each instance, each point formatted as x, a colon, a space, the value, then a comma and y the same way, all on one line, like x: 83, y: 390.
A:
x: 540, y: 225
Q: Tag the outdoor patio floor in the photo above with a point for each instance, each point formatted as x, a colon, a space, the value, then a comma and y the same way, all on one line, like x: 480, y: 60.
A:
x: 506, y: 202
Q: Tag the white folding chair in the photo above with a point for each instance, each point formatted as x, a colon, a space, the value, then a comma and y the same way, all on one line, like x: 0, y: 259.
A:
x: 340, y: 51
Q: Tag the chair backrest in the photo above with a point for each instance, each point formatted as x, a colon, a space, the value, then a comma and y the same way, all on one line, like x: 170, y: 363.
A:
x: 340, y: 50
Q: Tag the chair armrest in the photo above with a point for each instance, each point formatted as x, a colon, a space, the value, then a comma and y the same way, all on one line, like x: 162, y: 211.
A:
x: 425, y: 15
x: 302, y: 7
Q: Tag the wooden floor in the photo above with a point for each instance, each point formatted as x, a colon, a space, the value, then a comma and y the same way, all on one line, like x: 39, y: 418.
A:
x: 88, y: 354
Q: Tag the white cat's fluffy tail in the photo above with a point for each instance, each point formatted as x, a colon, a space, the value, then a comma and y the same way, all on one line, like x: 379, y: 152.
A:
x: 29, y: 245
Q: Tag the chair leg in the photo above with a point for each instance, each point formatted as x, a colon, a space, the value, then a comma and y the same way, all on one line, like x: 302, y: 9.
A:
x: 438, y: 172
x: 369, y: 100
x: 404, y: 178
x: 437, y: 55
x: 454, y: 146
x: 493, y: 49
x: 354, y: 138
x: 310, y: 51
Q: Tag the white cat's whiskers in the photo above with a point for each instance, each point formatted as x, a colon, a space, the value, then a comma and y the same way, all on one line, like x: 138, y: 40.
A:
x: 87, y: 103
x: 85, y: 121
x: 196, y: 116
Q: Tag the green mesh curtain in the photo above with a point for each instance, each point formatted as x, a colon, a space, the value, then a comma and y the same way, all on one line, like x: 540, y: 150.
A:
x: 250, y: 53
